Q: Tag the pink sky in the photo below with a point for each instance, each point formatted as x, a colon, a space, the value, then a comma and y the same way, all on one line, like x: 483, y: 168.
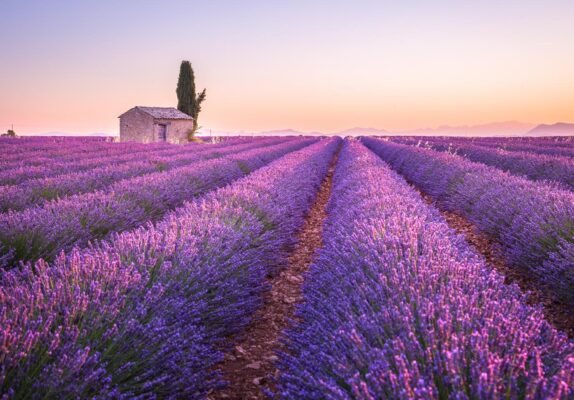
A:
x: 324, y: 65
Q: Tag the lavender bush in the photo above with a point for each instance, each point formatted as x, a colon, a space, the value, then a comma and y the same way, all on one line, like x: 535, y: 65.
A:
x: 38, y: 191
x: 21, y: 156
x: 20, y: 173
x: 533, y: 222
x: 534, y: 166
x: 41, y: 232
x: 535, y: 148
x: 146, y: 314
x: 398, y: 307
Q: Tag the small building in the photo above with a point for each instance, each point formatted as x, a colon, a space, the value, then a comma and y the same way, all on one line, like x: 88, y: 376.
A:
x: 155, y: 124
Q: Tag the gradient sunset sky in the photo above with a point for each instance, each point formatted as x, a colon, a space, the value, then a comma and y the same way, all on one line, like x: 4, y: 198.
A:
x: 74, y: 66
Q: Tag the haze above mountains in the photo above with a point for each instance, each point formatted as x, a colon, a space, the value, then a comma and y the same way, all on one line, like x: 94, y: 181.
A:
x: 509, y: 128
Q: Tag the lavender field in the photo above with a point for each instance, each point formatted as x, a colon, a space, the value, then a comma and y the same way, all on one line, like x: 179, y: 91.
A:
x: 287, y: 267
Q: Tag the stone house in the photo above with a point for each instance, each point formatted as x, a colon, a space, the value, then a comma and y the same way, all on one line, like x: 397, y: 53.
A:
x: 154, y: 124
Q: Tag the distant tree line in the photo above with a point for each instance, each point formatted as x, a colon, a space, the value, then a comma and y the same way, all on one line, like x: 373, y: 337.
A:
x: 9, y: 133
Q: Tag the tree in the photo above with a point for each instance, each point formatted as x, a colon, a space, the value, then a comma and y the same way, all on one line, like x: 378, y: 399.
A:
x: 188, y: 101
x: 9, y: 133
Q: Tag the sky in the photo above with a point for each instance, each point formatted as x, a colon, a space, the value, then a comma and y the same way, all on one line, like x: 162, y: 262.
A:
x: 74, y: 66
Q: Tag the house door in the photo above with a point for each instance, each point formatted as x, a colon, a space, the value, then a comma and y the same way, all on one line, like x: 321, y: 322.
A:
x: 162, y: 133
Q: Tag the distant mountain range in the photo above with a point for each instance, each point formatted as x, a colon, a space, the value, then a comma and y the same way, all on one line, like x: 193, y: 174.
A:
x: 557, y: 129
x: 508, y: 128
x: 289, y: 132
x: 363, y: 132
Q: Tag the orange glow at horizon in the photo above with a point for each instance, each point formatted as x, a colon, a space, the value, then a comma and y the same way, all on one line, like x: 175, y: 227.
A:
x: 324, y: 66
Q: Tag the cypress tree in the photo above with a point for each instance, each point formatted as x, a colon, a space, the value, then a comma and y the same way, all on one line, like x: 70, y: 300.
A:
x: 188, y: 101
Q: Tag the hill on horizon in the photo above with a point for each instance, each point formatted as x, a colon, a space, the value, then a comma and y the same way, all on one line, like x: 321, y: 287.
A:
x: 507, y: 128
x: 557, y: 129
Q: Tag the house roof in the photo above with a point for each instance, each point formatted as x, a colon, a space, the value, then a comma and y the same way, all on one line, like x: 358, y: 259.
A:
x: 161, y: 112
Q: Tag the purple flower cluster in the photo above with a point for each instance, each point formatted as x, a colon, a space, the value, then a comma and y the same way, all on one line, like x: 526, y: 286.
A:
x: 69, y: 152
x: 17, y: 172
x: 538, y: 146
x: 146, y: 314
x: 534, y: 222
x: 43, y: 231
x: 549, y: 141
x: 397, y: 306
x: 27, y: 148
x: 37, y: 191
x: 538, y: 167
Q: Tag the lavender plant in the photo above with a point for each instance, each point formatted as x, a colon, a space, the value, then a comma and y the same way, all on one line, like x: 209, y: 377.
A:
x: 146, y: 314
x: 42, y: 232
x: 38, y: 191
x: 397, y: 306
x: 538, y: 167
x: 18, y: 173
x: 532, y: 221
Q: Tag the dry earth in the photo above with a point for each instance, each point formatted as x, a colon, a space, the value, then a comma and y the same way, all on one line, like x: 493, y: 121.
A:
x: 557, y: 313
x: 249, y: 367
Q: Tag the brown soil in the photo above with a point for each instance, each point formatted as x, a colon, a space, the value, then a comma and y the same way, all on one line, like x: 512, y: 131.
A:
x: 249, y: 367
x: 558, y: 314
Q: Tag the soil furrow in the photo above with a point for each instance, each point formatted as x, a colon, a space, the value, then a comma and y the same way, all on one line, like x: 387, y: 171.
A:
x: 557, y: 313
x: 249, y: 368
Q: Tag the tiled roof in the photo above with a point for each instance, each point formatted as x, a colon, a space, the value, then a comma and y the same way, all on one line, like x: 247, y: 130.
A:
x: 163, y: 112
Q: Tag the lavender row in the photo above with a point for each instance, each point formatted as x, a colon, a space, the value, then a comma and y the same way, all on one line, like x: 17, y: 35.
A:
x: 145, y: 315
x: 67, y: 154
x: 38, y: 191
x: 535, y: 149
x: 42, y: 232
x: 562, y: 149
x: 534, y: 166
x: 532, y: 221
x: 70, y: 152
x: 552, y: 141
x: 16, y: 172
x: 26, y: 148
x: 552, y: 150
x: 43, y: 141
x: 56, y: 160
x: 396, y: 306
x: 33, y: 143
x: 18, y: 175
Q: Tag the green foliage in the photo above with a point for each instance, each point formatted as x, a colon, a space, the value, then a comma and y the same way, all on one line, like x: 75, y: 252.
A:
x: 188, y: 101
x: 48, y: 193
x: 243, y: 167
x: 185, y: 88
x: 161, y: 166
x: 200, y: 98
x: 191, y: 136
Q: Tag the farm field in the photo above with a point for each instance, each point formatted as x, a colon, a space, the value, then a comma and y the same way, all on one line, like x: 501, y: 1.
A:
x: 287, y: 267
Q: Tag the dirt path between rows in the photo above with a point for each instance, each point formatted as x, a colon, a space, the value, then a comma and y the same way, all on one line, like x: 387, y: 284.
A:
x: 557, y: 313
x: 249, y: 367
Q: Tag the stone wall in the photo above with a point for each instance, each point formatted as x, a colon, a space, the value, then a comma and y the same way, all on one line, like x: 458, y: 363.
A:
x: 137, y: 126
x: 177, y: 129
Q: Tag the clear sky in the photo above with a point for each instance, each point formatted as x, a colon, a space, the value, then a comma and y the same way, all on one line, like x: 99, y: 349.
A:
x: 74, y: 66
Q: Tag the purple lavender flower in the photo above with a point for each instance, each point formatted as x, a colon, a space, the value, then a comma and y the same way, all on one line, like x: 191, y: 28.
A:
x: 398, y: 306
x: 146, y: 314
x: 531, y: 220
